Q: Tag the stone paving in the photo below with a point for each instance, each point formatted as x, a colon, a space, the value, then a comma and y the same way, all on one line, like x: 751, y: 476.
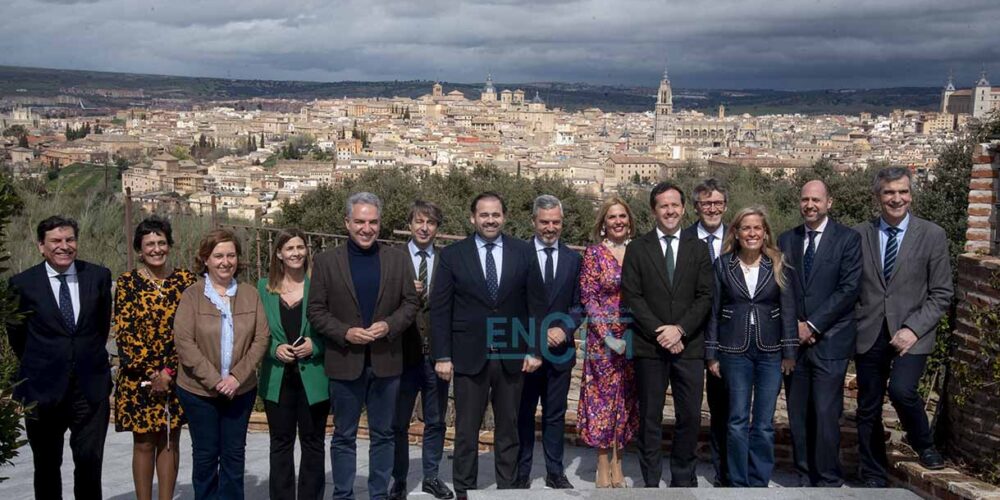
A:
x: 117, y: 479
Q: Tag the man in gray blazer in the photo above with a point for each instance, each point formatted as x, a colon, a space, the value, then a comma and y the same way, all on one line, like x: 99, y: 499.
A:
x: 905, y: 289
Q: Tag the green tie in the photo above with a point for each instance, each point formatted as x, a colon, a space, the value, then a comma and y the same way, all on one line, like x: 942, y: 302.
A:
x: 669, y: 255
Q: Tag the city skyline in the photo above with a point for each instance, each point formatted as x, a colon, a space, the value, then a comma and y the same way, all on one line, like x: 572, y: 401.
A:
x: 734, y: 45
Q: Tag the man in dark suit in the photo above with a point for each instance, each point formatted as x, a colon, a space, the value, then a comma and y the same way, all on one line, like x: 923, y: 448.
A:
x: 828, y: 257
x: 418, y: 369
x: 362, y: 299
x: 710, y: 199
x: 667, y: 284
x: 905, y: 289
x: 480, y: 332
x: 64, y: 362
x: 558, y: 316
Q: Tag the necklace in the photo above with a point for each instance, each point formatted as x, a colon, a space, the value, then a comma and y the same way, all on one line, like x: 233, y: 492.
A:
x: 157, y: 283
x: 614, y: 246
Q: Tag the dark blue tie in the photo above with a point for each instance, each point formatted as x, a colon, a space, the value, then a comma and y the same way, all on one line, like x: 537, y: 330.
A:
x: 710, y: 239
x: 550, y: 270
x: 66, y: 304
x: 492, y: 284
x: 891, y: 249
x: 807, y: 260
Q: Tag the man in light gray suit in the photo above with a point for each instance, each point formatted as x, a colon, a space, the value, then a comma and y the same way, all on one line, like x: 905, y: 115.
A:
x: 905, y: 289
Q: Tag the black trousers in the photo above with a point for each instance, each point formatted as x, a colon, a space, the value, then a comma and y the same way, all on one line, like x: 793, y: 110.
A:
x: 882, y: 364
x: 551, y: 386
x: 290, y: 412
x: 87, y: 423
x: 718, y: 407
x: 815, y: 395
x: 687, y: 377
x: 472, y: 392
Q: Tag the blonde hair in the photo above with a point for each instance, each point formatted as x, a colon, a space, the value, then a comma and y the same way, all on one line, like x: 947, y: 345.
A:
x: 595, y: 232
x: 276, y: 269
x: 769, y: 248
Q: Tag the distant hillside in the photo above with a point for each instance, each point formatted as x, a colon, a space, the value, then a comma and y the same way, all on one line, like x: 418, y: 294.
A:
x: 19, y: 83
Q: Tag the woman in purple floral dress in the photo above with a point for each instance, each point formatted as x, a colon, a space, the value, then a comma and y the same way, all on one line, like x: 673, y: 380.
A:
x: 608, y: 413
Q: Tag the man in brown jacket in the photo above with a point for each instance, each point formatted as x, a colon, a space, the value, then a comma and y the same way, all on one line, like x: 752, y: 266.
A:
x: 361, y: 299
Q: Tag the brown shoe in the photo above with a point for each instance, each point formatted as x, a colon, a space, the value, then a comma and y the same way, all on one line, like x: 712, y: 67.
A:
x: 617, y: 476
x: 603, y: 479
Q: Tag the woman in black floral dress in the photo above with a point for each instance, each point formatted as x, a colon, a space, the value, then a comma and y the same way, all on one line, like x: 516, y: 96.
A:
x: 145, y: 397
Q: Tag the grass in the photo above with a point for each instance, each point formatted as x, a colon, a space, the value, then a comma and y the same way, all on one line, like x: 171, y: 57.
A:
x: 80, y: 178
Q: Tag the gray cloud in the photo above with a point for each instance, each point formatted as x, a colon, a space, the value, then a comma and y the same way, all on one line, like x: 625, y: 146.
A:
x: 726, y: 43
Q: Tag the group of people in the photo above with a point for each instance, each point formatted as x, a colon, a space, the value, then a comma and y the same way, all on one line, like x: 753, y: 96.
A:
x: 366, y: 327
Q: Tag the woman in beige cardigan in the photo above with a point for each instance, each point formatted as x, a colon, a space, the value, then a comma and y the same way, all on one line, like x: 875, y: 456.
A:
x: 221, y: 334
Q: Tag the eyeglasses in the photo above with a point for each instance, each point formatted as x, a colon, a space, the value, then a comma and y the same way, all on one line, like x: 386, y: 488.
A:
x: 711, y: 204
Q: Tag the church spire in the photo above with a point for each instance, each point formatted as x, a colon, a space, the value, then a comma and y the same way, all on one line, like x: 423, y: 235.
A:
x: 983, y: 82
x: 951, y: 81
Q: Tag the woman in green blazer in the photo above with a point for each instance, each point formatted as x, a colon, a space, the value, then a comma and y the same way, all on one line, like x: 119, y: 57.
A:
x: 292, y: 382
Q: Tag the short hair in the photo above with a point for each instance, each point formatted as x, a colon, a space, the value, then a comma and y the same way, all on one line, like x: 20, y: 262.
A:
x: 362, y: 198
x: 276, y: 269
x: 661, y: 188
x: 890, y: 174
x: 152, y: 225
x: 427, y: 209
x: 826, y: 187
x: 706, y: 187
x: 595, y: 232
x: 546, y: 202
x: 485, y: 195
x: 209, y: 242
x: 55, y: 222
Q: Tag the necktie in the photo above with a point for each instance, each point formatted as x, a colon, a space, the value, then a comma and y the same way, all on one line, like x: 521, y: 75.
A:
x: 891, y: 249
x: 66, y: 304
x: 422, y: 272
x: 711, y: 247
x: 669, y: 256
x: 492, y: 285
x: 807, y: 259
x: 550, y: 271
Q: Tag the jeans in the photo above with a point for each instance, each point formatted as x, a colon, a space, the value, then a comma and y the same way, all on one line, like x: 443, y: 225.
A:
x: 753, y: 381
x: 290, y: 412
x: 420, y: 379
x: 218, y: 428
x: 349, y: 397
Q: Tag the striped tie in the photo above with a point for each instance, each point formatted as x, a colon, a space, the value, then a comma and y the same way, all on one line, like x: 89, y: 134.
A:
x: 891, y: 249
x: 422, y: 272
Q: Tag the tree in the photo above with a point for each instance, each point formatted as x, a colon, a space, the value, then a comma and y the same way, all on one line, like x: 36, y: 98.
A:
x: 11, y: 411
x: 22, y: 141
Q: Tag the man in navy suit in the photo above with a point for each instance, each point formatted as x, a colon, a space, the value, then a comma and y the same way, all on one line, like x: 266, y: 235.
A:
x: 710, y: 199
x: 828, y: 258
x: 480, y: 334
x: 64, y: 362
x: 558, y: 316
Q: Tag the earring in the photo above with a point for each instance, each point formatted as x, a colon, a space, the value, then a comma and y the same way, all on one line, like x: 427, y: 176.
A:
x: 604, y: 232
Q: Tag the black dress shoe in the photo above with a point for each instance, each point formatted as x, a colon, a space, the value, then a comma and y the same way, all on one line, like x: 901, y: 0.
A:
x: 931, y: 459
x: 398, y: 491
x: 521, y: 483
x: 874, y: 483
x: 437, y: 488
x: 558, y: 482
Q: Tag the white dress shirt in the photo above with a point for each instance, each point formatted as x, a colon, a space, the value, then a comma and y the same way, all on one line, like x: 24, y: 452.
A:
x: 416, y: 260
x: 540, y: 253
x: 883, y: 236
x: 819, y: 235
x: 674, y: 243
x: 719, y: 233
x: 72, y: 281
x: 497, y: 255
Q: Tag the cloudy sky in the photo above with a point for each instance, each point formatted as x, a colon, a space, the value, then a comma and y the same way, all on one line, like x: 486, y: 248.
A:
x: 788, y: 44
